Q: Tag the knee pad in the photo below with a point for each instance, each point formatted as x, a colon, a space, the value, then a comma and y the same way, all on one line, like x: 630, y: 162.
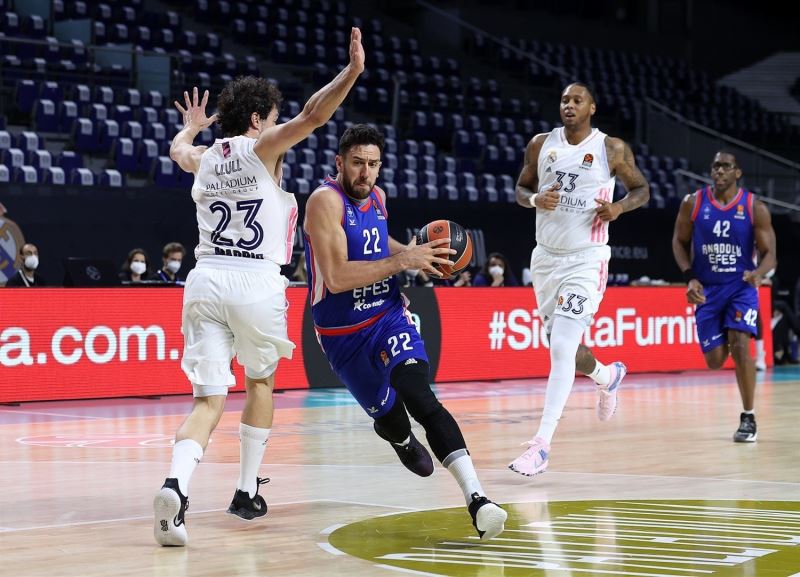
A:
x: 411, y: 382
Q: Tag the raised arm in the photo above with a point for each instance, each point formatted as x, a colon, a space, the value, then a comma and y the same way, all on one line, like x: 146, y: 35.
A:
x: 528, y: 181
x: 276, y: 140
x: 323, y: 225
x: 765, y: 244
x: 194, y: 116
x: 622, y: 164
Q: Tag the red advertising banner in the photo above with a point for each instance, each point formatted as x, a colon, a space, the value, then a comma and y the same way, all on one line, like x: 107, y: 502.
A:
x: 94, y: 343
x: 490, y: 333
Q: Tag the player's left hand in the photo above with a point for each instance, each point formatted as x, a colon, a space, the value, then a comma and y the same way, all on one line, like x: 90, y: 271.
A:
x: 194, y: 115
x: 607, y: 211
x: 752, y: 278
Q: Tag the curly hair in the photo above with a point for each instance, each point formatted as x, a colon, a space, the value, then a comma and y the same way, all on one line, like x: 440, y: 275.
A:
x: 360, y: 134
x: 240, y: 98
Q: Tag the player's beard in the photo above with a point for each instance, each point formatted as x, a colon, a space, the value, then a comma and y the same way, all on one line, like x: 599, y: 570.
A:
x: 353, y: 192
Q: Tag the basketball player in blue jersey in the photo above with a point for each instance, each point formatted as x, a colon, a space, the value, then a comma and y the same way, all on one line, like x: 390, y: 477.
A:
x: 364, y: 327
x: 718, y: 233
x: 234, y: 302
x: 569, y: 177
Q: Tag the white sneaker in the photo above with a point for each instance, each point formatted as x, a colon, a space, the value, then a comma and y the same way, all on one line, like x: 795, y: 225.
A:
x: 169, y: 508
x: 761, y: 362
x: 607, y: 396
x: 487, y: 518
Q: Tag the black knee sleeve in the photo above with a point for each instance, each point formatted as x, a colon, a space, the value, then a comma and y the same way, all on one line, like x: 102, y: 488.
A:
x: 394, y: 426
x: 441, y: 429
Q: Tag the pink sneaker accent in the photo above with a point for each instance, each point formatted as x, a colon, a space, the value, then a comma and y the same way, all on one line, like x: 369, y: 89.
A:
x: 607, y: 396
x: 534, y: 460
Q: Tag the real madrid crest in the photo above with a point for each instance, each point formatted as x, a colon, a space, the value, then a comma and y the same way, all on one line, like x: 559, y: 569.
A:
x: 11, y: 240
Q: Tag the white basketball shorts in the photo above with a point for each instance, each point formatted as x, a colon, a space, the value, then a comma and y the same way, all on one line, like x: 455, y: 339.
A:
x: 233, y: 312
x: 570, y: 284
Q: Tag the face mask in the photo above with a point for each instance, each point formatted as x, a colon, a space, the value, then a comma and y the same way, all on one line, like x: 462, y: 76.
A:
x: 32, y: 262
x: 138, y: 267
x: 173, y: 266
x: 496, y: 270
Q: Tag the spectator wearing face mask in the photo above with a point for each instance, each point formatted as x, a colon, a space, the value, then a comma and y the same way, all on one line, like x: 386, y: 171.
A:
x: 495, y: 272
x: 172, y: 258
x: 26, y: 276
x: 135, y: 267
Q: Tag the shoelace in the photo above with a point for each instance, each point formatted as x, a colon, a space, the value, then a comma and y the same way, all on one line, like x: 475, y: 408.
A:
x: 261, y: 481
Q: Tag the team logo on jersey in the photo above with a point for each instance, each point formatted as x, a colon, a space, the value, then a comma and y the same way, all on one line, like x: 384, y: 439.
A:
x: 739, y: 212
x: 588, y: 159
x: 706, y: 212
x: 11, y: 240
x: 551, y: 157
x: 385, y: 358
x: 351, y: 217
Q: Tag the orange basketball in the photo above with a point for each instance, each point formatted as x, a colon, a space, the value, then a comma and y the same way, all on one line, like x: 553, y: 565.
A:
x: 459, y: 241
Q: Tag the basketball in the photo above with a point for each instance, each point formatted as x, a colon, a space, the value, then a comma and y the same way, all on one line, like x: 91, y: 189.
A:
x: 459, y: 241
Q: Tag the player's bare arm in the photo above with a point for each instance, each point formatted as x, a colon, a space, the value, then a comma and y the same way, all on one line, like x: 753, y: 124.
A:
x: 528, y: 181
x: 681, y: 248
x: 622, y: 164
x: 765, y: 244
x: 323, y: 225
x: 276, y: 140
x: 194, y: 117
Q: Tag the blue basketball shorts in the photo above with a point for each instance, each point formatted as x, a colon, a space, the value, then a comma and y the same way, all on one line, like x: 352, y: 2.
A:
x: 363, y: 360
x: 728, y: 306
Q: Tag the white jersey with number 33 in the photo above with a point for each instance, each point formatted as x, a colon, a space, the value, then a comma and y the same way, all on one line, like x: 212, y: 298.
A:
x: 582, y: 173
x: 245, y: 219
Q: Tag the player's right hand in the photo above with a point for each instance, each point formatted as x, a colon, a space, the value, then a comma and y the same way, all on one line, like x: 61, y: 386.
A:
x: 357, y: 55
x: 424, y: 256
x: 548, y: 200
x: 694, y: 293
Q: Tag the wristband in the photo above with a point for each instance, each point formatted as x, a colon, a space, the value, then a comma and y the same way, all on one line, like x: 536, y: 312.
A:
x: 688, y: 275
x: 532, y: 199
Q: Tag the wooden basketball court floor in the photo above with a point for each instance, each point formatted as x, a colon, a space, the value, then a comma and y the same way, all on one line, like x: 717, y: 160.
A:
x: 78, y: 480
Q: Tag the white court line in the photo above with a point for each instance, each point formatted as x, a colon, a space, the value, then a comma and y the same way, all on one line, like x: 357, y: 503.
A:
x: 150, y: 517
x: 52, y: 415
x: 328, y: 548
x: 410, y: 571
x: 331, y: 529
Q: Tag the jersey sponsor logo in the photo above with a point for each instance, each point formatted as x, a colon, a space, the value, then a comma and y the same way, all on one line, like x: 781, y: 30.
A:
x: 228, y: 167
x: 362, y: 305
x: 587, y: 161
x: 231, y: 183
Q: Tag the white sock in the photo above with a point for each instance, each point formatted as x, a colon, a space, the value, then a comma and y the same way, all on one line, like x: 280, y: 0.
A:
x: 759, y: 348
x: 252, y: 444
x: 751, y: 412
x: 459, y: 463
x: 404, y: 443
x: 601, y: 374
x: 564, y: 340
x: 186, y: 455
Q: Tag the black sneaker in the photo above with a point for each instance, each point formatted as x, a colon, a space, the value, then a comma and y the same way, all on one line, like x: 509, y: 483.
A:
x: 487, y: 518
x: 246, y: 507
x: 414, y: 456
x: 746, y: 433
x: 169, y: 508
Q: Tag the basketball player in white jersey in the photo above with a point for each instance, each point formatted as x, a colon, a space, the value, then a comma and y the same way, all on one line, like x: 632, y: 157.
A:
x: 234, y: 301
x: 568, y: 177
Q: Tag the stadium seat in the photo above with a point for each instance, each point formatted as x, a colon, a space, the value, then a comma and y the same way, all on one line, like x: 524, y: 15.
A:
x: 111, y: 178
x: 53, y: 175
x: 81, y: 177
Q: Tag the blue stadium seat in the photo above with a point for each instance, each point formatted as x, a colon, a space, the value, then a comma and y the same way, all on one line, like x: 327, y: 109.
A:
x: 84, y: 135
x: 429, y: 177
x: 24, y: 175
x: 123, y: 152
x: 121, y: 113
x: 98, y: 112
x: 81, y: 177
x: 307, y: 156
x: 46, y: 119
x: 132, y: 130
x: 69, y: 160
x: 302, y: 186
x: 40, y: 159
x: 387, y: 174
x: 108, y: 132
x: 111, y: 178
x: 426, y: 162
x: 390, y: 188
x: 409, y: 161
x: 165, y: 172
x: 53, y: 175
x: 51, y: 91
x: 146, y: 154
x: 5, y: 174
x: 26, y: 94
x: 27, y: 141
x: 131, y: 97
x: 304, y: 170
x: 5, y: 140
x: 409, y: 190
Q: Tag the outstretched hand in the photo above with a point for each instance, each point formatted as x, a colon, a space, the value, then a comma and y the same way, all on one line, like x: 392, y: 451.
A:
x: 194, y: 115
x: 357, y: 55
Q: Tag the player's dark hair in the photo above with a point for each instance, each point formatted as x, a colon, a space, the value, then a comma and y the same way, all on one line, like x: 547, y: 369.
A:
x: 240, y: 98
x: 360, y: 135
x: 587, y: 87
